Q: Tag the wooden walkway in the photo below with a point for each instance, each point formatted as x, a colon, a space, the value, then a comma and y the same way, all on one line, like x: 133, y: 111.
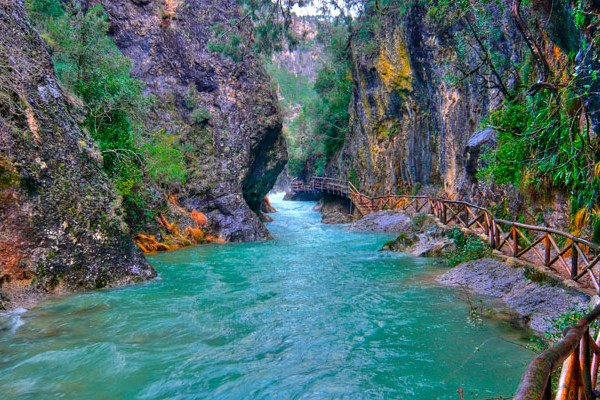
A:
x: 569, y: 256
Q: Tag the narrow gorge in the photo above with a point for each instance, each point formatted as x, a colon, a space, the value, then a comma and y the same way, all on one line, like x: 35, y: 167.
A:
x: 441, y: 168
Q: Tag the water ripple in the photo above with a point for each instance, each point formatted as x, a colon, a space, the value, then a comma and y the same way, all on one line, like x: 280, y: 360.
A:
x: 317, y: 313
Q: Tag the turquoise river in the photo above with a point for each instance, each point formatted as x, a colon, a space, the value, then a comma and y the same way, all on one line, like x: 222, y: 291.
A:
x: 317, y: 313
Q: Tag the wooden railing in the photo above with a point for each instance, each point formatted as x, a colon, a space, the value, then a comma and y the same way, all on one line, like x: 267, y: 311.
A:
x: 560, y: 251
x: 579, y: 355
x: 569, y: 255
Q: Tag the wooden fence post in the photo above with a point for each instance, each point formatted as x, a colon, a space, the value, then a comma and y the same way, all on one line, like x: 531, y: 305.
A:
x: 547, y: 255
x: 497, y: 232
x: 444, y: 213
x: 515, y: 241
x: 586, y: 366
x: 489, y: 223
x: 574, y: 260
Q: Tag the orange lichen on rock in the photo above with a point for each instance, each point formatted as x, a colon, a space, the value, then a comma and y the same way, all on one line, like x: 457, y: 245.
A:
x: 267, y: 207
x: 172, y: 199
x: 199, y: 218
x: 174, y: 238
x: 214, y: 239
x: 171, y: 227
x: 149, y: 243
x: 195, y: 233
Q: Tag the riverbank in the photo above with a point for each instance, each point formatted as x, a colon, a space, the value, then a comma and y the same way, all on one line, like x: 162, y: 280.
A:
x: 536, y: 296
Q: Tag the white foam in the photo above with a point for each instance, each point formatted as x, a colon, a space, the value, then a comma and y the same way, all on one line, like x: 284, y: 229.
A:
x: 11, y: 320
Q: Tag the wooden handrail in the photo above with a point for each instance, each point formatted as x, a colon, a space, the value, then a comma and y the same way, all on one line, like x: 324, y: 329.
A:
x: 576, y: 376
x: 550, y: 230
x: 577, y: 256
x: 579, y: 354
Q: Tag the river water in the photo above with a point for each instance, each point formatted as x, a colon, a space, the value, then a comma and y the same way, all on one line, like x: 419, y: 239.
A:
x: 317, y: 313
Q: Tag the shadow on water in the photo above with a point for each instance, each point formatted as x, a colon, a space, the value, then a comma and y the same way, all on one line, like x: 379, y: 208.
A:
x: 317, y: 313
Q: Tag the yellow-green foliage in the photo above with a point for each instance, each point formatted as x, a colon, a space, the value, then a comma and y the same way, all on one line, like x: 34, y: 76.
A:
x: 387, y: 129
x: 165, y: 160
x: 8, y: 177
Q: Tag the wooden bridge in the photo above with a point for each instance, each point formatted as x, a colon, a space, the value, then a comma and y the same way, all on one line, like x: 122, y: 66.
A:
x: 570, y: 256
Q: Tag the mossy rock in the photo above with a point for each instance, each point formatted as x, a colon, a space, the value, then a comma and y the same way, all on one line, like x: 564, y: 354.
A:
x: 401, y: 243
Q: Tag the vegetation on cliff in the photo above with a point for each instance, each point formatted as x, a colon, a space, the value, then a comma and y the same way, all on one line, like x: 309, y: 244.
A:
x: 61, y: 223
x: 409, y: 83
x: 158, y: 143
x: 93, y: 70
x: 318, y: 108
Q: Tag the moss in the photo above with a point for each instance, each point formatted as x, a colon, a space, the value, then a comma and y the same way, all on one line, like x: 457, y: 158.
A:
x: 469, y: 247
x: 535, y: 275
x: 393, y: 66
x: 8, y: 176
x: 387, y: 130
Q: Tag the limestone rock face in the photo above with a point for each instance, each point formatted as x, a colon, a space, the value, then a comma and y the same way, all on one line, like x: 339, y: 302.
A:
x: 410, y: 125
x: 414, y: 110
x: 60, y: 219
x: 224, y: 110
x: 539, y: 303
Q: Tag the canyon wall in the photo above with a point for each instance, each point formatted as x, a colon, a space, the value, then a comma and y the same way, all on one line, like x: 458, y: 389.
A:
x: 410, y: 123
x: 61, y: 226
x: 233, y: 129
x: 417, y: 119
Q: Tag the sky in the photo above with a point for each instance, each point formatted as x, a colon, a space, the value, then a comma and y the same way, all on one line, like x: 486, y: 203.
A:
x: 313, y: 9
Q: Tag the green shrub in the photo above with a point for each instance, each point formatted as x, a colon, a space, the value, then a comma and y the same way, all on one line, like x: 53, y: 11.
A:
x: 469, y: 247
x: 227, y: 43
x: 200, y: 115
x: 91, y: 67
x: 191, y: 97
x: 165, y: 162
x: 563, y: 321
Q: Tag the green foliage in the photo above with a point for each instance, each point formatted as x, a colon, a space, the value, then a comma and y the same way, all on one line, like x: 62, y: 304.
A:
x: 165, y: 161
x: 200, y: 115
x: 318, y: 130
x: 563, y: 321
x: 42, y: 9
x: 270, y: 24
x: 295, y: 89
x: 91, y: 67
x: 469, y: 247
x: 191, y: 97
x: 535, y: 275
x: 543, y: 147
x: 579, y: 16
x: 504, y: 165
x: 263, y: 27
x: 334, y: 86
x: 226, y: 42
x: 89, y: 64
x: 303, y: 139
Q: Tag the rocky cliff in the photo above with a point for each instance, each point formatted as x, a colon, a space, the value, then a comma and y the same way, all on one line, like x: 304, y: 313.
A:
x: 423, y: 86
x: 60, y: 219
x: 409, y: 122
x: 220, y: 107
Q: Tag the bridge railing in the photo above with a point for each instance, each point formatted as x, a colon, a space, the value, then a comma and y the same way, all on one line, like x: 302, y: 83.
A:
x: 579, y: 355
x: 560, y: 251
